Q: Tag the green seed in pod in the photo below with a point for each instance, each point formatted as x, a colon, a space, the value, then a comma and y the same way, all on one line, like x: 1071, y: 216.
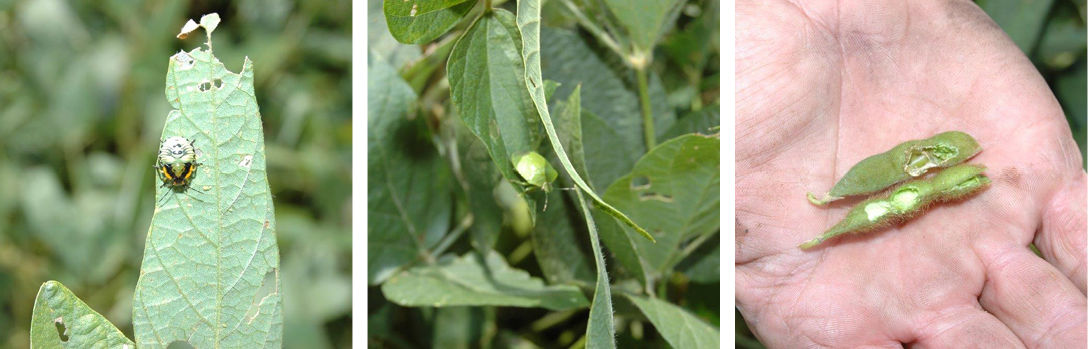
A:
x: 904, y: 161
x: 907, y: 201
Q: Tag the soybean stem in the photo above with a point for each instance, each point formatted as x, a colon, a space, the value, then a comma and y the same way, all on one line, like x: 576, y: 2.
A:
x: 647, y: 111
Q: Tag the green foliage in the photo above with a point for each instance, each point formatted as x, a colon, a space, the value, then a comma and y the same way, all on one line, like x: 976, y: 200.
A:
x: 82, y: 110
x: 210, y: 274
x: 405, y: 171
x: 420, y: 21
x: 485, y: 71
x: 1052, y: 33
x: 522, y: 95
x: 680, y: 328
x: 673, y: 192
x: 475, y: 280
x: 61, y: 320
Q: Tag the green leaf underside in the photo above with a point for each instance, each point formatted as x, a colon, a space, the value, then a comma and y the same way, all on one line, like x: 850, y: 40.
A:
x: 487, y: 86
x: 470, y: 280
x: 679, y: 328
x: 210, y: 270
x: 62, y: 320
x: 600, y: 331
x: 673, y: 191
x: 405, y: 173
x: 420, y: 21
x: 529, y: 22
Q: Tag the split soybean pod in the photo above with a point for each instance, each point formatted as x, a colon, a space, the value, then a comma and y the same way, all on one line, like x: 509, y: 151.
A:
x: 907, y: 201
x: 906, y: 160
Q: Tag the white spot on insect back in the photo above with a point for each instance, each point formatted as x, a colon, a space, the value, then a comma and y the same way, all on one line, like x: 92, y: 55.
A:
x: 246, y: 161
x: 415, y: 8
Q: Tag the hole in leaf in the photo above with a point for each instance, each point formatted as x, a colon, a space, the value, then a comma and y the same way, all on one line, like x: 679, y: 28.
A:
x: 204, y: 86
x: 218, y: 83
x: 62, y: 331
x: 180, y: 345
x: 655, y: 196
x: 640, y: 183
x: 185, y: 61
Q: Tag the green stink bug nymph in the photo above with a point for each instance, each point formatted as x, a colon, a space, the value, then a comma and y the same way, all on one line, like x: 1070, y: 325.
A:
x: 536, y: 171
x: 176, y: 163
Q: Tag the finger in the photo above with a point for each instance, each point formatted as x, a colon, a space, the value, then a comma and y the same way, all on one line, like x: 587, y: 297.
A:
x: 1033, y: 299
x: 966, y: 327
x: 1062, y: 236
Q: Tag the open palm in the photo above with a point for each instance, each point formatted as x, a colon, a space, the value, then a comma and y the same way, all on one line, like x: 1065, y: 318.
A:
x: 822, y: 85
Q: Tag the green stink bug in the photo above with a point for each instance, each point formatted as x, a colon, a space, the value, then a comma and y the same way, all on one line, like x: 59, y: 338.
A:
x: 536, y: 171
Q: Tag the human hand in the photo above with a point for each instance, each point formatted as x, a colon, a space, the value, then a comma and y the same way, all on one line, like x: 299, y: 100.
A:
x: 822, y: 85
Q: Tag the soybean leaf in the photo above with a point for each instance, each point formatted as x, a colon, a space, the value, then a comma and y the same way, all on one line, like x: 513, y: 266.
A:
x: 673, y: 190
x: 676, y: 325
x: 606, y: 159
x: 529, y: 22
x: 210, y: 273
x: 1020, y: 19
x: 695, y: 122
x: 487, y: 82
x: 481, y: 177
x: 62, y: 320
x: 644, y: 21
x: 380, y: 41
x: 475, y: 280
x: 420, y: 21
x: 600, y: 331
x: 406, y: 173
x: 704, y: 264
x: 569, y: 60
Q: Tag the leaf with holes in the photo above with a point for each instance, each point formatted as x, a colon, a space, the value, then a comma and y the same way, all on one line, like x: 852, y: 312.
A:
x: 62, y: 320
x: 673, y: 192
x: 210, y: 272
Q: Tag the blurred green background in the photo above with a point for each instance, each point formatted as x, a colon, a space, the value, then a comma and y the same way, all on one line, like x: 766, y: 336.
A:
x: 82, y: 106
x: 1051, y: 33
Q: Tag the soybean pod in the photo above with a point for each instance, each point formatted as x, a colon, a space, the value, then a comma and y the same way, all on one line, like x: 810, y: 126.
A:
x: 908, y: 200
x: 906, y: 160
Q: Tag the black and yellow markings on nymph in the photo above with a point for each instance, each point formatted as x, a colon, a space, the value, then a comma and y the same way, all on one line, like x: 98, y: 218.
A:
x: 179, y: 177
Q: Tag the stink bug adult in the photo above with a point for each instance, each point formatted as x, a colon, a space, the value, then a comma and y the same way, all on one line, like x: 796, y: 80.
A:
x: 177, y: 164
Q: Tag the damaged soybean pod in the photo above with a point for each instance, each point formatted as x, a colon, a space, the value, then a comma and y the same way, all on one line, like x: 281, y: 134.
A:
x: 908, y: 200
x: 904, y: 161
